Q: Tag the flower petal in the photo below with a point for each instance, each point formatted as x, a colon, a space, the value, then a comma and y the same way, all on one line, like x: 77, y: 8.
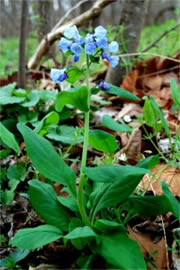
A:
x: 113, y: 47
x: 90, y: 48
x: 114, y: 61
x: 100, y: 31
x: 76, y: 48
x: 58, y: 75
x: 71, y: 32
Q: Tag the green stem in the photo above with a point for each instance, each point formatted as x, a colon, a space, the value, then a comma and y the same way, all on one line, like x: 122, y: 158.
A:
x: 84, y: 156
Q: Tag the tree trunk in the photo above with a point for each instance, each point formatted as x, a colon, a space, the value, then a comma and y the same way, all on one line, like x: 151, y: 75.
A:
x: 132, y: 19
x: 22, y: 45
x: 45, y: 11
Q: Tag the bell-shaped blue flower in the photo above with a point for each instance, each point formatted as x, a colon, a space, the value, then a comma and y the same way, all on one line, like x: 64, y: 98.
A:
x: 76, y: 48
x: 100, y: 31
x: 113, y: 47
x: 103, y: 85
x: 106, y: 56
x: 114, y: 61
x: 101, y: 42
x: 89, y: 38
x: 90, y: 48
x: 76, y: 58
x: 64, y: 44
x: 71, y: 32
x: 58, y: 75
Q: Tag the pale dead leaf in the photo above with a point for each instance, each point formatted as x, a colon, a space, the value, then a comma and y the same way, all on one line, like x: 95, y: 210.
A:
x: 171, y: 176
x: 148, y: 247
x: 133, y: 147
x: 154, y: 82
x: 130, y: 109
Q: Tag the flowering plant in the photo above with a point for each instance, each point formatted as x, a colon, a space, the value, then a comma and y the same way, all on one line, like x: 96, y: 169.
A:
x: 92, y: 216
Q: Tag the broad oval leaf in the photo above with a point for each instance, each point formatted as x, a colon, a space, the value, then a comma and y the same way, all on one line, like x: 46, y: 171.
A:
x: 103, y: 141
x: 83, y: 234
x: 44, y: 200
x: 147, y: 206
x: 46, y: 160
x: 149, y: 162
x: 76, y: 97
x: 32, y: 99
x: 8, y: 138
x: 173, y: 202
x: 123, y: 180
x: 122, y: 93
x: 74, y: 74
x: 121, y: 251
x: 36, y: 237
x: 51, y: 118
x: 111, y: 124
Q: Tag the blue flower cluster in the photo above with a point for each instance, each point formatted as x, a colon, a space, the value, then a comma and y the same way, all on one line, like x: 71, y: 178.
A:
x: 92, y: 43
x: 74, y: 42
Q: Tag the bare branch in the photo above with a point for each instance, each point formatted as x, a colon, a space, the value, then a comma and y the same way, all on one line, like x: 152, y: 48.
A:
x: 160, y: 37
x: 67, y: 14
x: 43, y: 46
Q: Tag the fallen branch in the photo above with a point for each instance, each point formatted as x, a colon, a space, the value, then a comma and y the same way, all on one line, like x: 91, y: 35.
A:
x: 51, y: 37
x: 67, y: 14
x: 160, y: 37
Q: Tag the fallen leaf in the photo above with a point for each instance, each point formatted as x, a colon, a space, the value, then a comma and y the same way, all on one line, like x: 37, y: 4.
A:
x: 170, y: 175
x: 148, y: 247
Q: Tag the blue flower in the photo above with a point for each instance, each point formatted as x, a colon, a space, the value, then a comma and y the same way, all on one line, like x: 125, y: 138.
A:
x: 76, y: 58
x: 76, y: 48
x: 106, y: 56
x: 113, y: 47
x: 89, y: 38
x: 101, y: 42
x: 114, y: 61
x: 100, y: 32
x: 64, y: 44
x: 58, y: 75
x: 103, y: 85
x: 90, y: 48
x: 71, y: 32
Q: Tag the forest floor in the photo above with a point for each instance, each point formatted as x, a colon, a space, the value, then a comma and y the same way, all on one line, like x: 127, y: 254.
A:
x: 148, y: 77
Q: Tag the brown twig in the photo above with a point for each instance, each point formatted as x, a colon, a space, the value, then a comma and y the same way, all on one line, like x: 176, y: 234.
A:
x: 160, y: 37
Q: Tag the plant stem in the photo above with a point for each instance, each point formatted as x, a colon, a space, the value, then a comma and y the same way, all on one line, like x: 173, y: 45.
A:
x: 84, y: 155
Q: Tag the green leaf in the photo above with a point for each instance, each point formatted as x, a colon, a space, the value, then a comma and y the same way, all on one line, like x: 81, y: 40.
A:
x: 44, y: 200
x: 80, y: 242
x: 33, y: 98
x: 8, y: 138
x: 32, y: 238
x: 123, y: 180
x: 103, y: 141
x: 175, y: 91
x: 163, y: 121
x: 69, y: 202
x: 51, y: 118
x: 47, y: 95
x: 76, y: 97
x: 121, y: 252
x: 74, y: 74
x: 149, y: 116
x: 46, y: 160
x: 173, y: 202
x: 114, y: 173
x: 64, y: 134
x: 111, y: 124
x: 17, y: 172
x: 122, y: 93
x: 6, y: 95
x: 147, y: 206
x: 86, y: 233
x: 104, y: 225
x: 149, y: 162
